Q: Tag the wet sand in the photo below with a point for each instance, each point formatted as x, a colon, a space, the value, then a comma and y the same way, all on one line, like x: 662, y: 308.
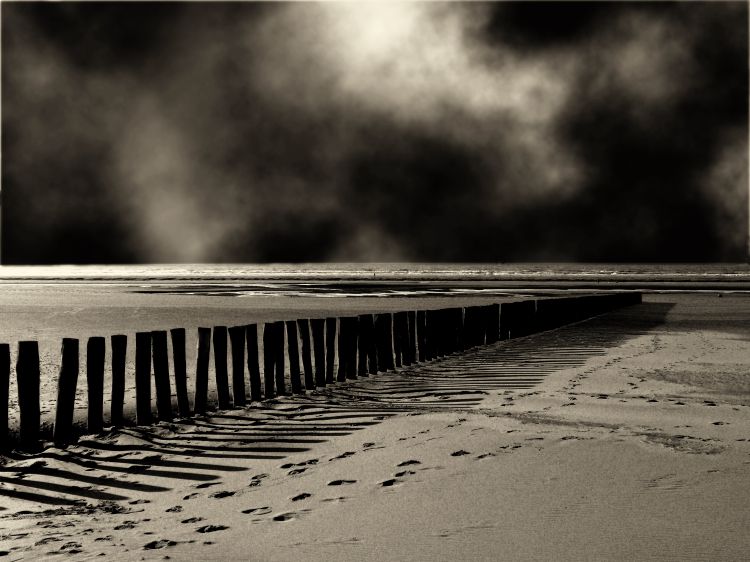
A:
x: 623, y: 437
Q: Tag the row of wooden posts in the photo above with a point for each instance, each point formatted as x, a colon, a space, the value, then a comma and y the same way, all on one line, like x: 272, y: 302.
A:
x: 366, y: 344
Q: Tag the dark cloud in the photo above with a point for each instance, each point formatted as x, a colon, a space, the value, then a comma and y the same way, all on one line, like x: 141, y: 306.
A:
x: 421, y: 131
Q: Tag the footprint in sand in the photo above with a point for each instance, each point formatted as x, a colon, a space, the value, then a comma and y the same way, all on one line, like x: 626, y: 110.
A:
x: 302, y: 496
x: 137, y: 502
x: 257, y: 510
x: 211, y: 528
x: 295, y: 471
x: 190, y: 496
x: 222, y: 494
x: 341, y: 482
x: 290, y: 515
x: 344, y: 455
x: 338, y: 499
x: 192, y: 520
x: 460, y: 453
x: 404, y: 473
x: 205, y: 485
x: 390, y: 482
x: 485, y: 455
x: 163, y: 543
x: 408, y: 463
x: 175, y: 509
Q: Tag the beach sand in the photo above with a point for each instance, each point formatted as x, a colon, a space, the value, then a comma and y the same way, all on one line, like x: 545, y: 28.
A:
x: 623, y: 437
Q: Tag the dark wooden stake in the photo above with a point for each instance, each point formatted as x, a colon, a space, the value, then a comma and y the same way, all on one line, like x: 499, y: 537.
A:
x: 27, y: 381
x: 119, y: 345
x: 344, y: 335
x: 319, y: 346
x: 269, y: 359
x: 201, y: 370
x: 180, y: 370
x: 293, y: 349
x: 161, y: 374
x: 279, y: 347
x: 352, y: 344
x: 95, y: 383
x: 143, y: 378
x: 253, y: 365
x: 220, y: 366
x: 330, y: 348
x: 304, y: 332
x: 66, y: 392
x: 363, y: 343
x: 421, y: 334
x: 412, y: 320
x: 4, y: 392
x: 237, y: 341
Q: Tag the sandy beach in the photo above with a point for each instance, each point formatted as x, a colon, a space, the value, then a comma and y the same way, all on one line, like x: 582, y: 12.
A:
x: 622, y: 437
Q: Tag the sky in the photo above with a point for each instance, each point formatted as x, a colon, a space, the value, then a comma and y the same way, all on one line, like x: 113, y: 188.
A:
x: 374, y: 132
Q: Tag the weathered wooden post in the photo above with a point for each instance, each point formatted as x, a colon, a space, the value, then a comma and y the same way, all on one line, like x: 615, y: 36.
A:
x: 344, y: 338
x: 293, y: 348
x: 27, y: 381
x: 237, y: 343
x: 119, y: 344
x: 143, y: 378
x: 220, y: 366
x: 201, y: 370
x: 363, y: 344
x: 304, y: 331
x: 412, y: 319
x: 279, y: 347
x: 95, y: 383
x: 384, y: 327
x: 422, y: 334
x: 180, y: 370
x: 66, y: 392
x: 253, y: 364
x: 4, y: 392
x: 429, y: 318
x: 330, y: 349
x: 319, y: 346
x: 161, y: 374
x: 368, y: 321
x: 397, y: 339
x: 269, y: 359
x: 351, y: 348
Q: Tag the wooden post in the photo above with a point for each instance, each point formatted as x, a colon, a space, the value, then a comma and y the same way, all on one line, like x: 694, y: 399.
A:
x: 143, y: 378
x: 201, y: 370
x: 27, y: 381
x: 351, y: 347
x: 269, y: 359
x: 429, y: 344
x: 237, y: 341
x: 180, y: 370
x: 368, y: 321
x: 344, y: 336
x: 304, y: 331
x: 330, y: 348
x: 293, y: 348
x: 161, y: 374
x: 4, y: 392
x: 422, y: 334
x: 66, y: 392
x: 319, y: 346
x: 95, y: 383
x: 384, y: 326
x: 119, y: 344
x: 412, y: 320
x: 220, y: 366
x: 363, y: 343
x: 398, y: 337
x: 279, y: 347
x: 253, y: 365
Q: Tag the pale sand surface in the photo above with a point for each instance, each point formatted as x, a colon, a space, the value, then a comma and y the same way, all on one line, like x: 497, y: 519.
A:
x: 623, y: 437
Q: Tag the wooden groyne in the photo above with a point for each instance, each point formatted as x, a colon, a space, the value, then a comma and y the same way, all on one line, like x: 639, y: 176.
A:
x: 319, y: 352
